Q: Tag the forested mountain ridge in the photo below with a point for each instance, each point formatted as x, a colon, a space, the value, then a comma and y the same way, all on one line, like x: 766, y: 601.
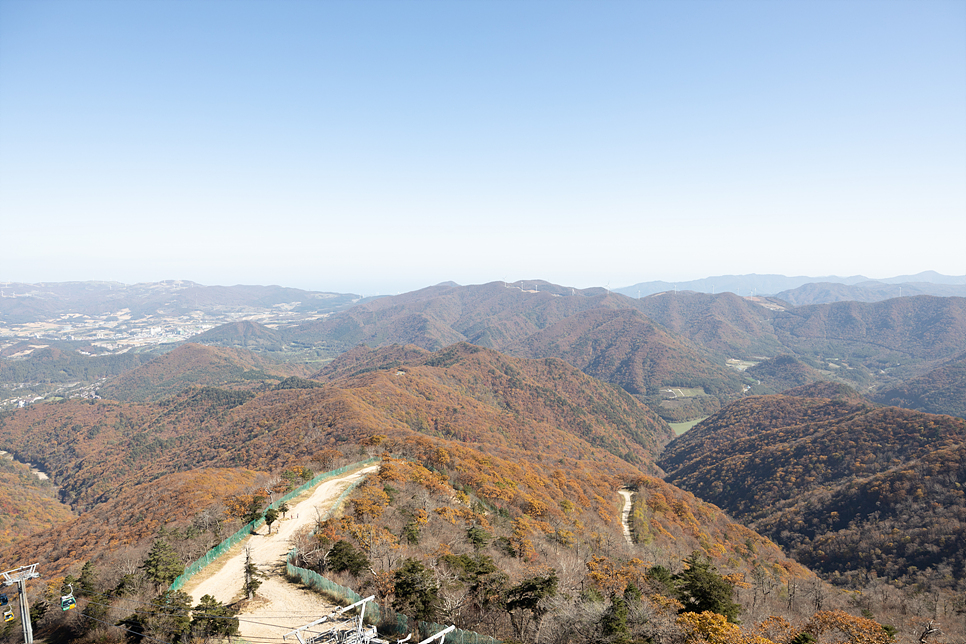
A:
x: 941, y: 391
x: 499, y: 459
x: 911, y: 329
x: 784, y: 372
x: 750, y: 418
x: 867, y: 344
x: 500, y: 316
x: 802, y: 471
x: 52, y: 364
x: 23, y: 302
x: 602, y: 332
x: 362, y: 359
x: 725, y: 324
x: 904, y: 525
x: 628, y: 349
x: 245, y: 333
x: 768, y: 283
x: 491, y: 315
x: 193, y: 364
x: 872, y: 345
x: 801, y: 290
x: 870, y: 291
x: 464, y: 393
x: 546, y: 392
x: 919, y: 328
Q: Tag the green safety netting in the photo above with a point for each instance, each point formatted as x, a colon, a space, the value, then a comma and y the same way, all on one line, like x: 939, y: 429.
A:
x: 247, y: 529
x: 389, y: 622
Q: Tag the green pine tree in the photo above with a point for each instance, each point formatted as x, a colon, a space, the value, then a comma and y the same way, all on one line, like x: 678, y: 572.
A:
x: 212, y: 620
x: 169, y: 618
x: 271, y: 516
x: 162, y: 565
x: 87, y: 582
x: 417, y: 593
x: 613, y: 623
x: 531, y: 595
x: 703, y: 589
x: 251, y: 575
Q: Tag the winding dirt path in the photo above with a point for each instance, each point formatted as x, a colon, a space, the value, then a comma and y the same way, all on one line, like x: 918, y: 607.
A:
x: 279, y: 605
x: 626, y: 512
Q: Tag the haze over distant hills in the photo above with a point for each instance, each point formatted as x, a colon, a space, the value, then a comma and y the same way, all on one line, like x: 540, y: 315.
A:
x: 24, y: 303
x: 812, y: 290
x: 681, y: 351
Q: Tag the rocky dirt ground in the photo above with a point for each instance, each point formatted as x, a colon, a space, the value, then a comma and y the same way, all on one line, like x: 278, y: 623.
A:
x: 279, y: 605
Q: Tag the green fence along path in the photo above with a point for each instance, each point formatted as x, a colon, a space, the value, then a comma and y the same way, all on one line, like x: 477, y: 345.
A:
x: 388, y: 621
x: 247, y: 529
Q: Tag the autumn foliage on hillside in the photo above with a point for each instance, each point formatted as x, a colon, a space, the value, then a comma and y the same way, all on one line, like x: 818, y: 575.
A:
x: 110, y: 530
x: 94, y: 448
x: 496, y: 506
x: 661, y: 512
x: 848, y: 487
x: 362, y: 359
x: 27, y: 503
x: 519, y: 436
x: 195, y: 365
x: 511, y: 551
x: 628, y: 349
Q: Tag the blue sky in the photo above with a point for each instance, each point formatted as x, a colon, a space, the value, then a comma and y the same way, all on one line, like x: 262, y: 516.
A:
x: 379, y: 147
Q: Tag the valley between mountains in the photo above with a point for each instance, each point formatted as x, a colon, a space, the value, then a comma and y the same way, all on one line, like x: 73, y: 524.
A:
x: 820, y: 499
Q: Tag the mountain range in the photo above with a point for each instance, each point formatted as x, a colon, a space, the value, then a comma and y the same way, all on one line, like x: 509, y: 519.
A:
x: 809, y: 290
x: 511, y: 419
x: 664, y: 341
x: 22, y: 303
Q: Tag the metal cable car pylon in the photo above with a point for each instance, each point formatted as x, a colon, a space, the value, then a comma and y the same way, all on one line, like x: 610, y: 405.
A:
x: 19, y: 576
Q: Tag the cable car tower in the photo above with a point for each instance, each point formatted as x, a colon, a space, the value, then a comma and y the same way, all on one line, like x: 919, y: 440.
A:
x: 356, y: 634
x: 350, y: 631
x: 19, y: 576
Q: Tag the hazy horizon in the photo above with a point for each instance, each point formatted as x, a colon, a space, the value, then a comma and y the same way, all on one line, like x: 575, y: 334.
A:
x: 617, y: 288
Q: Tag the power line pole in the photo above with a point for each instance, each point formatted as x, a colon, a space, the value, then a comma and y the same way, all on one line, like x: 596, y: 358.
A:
x: 19, y: 576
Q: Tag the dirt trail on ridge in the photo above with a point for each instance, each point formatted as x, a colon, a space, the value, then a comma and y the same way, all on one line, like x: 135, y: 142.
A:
x: 625, y: 513
x: 279, y: 605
